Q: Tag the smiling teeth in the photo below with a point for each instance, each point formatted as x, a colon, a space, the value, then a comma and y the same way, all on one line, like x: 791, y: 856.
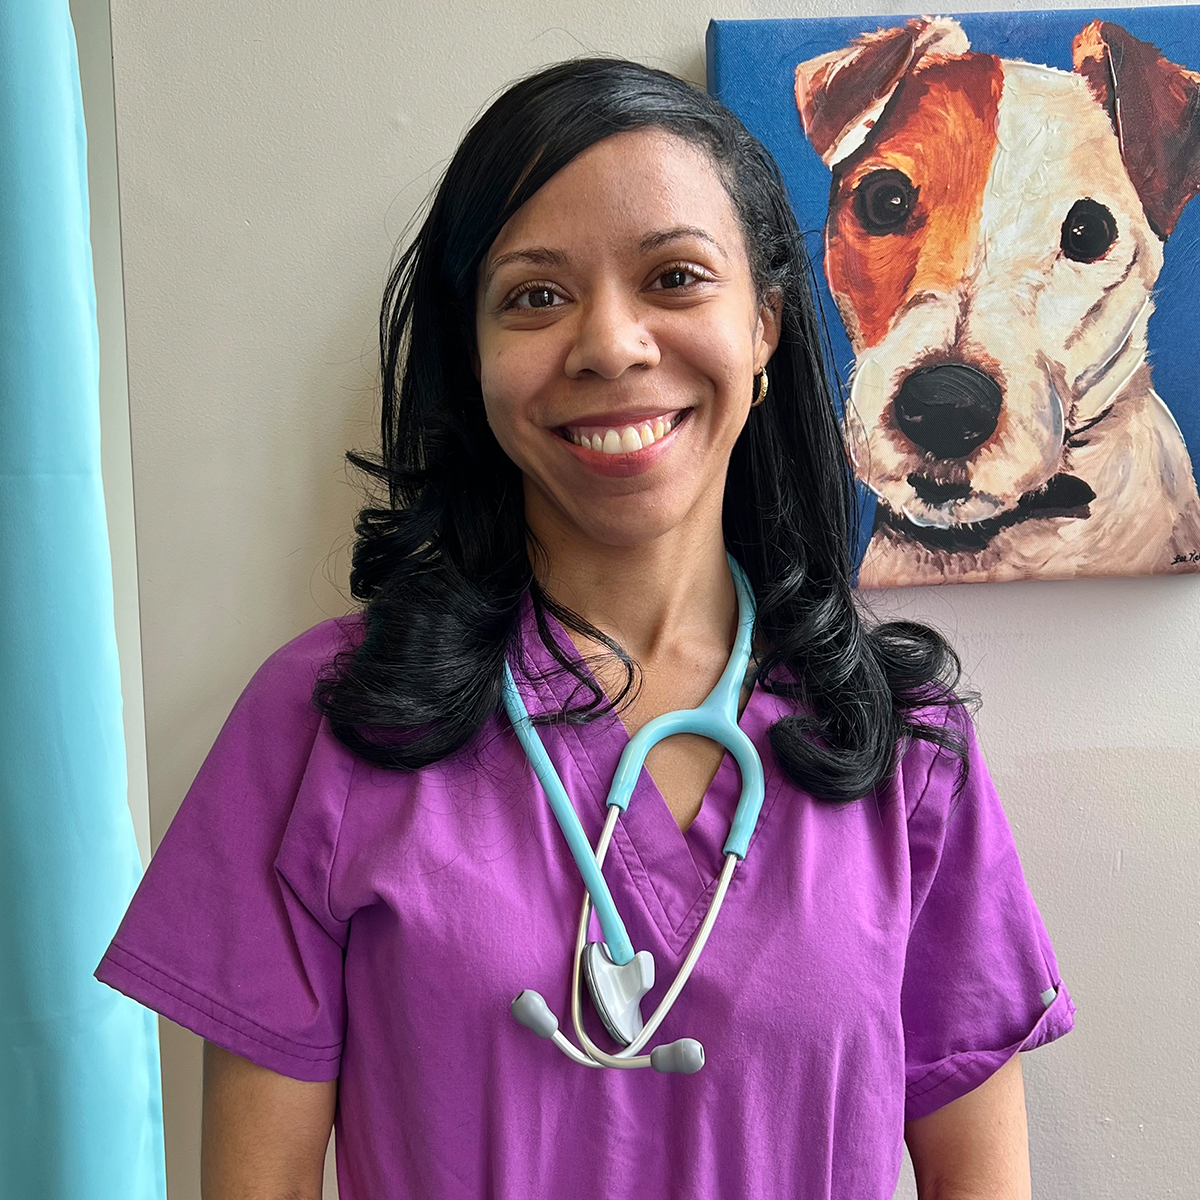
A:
x: 627, y: 439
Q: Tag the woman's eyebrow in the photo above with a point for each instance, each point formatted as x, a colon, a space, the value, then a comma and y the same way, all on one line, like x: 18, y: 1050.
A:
x: 539, y: 256
x: 660, y: 237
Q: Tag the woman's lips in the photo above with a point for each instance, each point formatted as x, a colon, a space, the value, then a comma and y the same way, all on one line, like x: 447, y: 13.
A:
x: 633, y: 462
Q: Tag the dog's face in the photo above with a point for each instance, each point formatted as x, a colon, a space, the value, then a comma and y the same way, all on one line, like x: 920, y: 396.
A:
x: 993, y: 263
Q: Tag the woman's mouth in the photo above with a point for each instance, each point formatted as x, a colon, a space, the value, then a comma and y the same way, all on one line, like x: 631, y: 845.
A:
x: 624, y: 439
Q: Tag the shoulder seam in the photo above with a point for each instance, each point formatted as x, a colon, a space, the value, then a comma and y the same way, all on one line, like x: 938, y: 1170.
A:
x: 937, y: 750
x: 337, y: 841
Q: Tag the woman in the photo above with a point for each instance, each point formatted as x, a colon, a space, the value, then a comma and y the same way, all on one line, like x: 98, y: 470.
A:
x: 601, y: 376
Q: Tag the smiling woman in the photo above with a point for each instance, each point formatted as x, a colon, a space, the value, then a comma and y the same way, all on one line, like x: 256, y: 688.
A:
x: 589, y: 482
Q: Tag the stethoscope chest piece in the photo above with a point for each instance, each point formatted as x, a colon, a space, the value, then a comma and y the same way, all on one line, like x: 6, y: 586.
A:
x: 617, y: 989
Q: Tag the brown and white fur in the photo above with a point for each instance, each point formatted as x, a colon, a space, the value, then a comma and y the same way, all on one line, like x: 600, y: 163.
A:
x: 1076, y: 466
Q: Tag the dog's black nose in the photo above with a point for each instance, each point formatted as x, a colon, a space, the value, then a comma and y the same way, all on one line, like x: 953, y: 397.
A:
x: 948, y: 409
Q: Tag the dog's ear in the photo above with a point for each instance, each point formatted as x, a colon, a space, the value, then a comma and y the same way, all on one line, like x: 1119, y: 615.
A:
x: 1154, y: 106
x: 841, y: 94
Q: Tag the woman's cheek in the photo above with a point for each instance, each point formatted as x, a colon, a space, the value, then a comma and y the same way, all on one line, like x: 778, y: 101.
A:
x: 500, y: 380
x: 716, y: 352
x: 516, y: 370
x: 506, y: 401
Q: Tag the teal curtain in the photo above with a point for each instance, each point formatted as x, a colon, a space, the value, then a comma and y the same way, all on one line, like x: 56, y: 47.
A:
x: 80, y: 1103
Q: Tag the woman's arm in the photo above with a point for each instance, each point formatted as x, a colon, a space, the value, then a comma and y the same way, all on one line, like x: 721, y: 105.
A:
x: 263, y: 1135
x: 975, y: 1147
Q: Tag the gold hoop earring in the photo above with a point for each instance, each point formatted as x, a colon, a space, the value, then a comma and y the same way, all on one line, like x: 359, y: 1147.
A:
x: 760, y: 389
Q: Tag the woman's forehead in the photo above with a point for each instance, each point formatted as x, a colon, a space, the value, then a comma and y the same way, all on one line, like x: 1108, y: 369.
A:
x: 626, y: 186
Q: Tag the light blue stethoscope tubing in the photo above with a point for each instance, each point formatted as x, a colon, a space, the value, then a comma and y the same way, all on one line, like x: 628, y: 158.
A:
x: 619, y: 945
x: 715, y: 718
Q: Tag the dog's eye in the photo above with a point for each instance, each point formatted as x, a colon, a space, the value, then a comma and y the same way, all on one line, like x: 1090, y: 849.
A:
x: 884, y: 200
x: 1088, y: 231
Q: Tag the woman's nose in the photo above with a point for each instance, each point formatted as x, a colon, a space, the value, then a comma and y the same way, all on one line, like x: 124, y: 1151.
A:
x: 610, y: 337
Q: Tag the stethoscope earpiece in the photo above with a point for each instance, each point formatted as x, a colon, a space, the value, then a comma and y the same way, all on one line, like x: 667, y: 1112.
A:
x: 534, y: 1013
x: 684, y: 1057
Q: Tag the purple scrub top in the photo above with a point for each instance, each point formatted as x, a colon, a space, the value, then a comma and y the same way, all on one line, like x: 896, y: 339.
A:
x: 329, y: 919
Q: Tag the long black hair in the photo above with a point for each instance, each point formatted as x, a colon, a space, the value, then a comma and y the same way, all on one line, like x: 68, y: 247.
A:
x: 443, y: 562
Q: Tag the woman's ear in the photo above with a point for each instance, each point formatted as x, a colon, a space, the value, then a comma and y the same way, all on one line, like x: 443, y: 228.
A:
x: 769, y: 328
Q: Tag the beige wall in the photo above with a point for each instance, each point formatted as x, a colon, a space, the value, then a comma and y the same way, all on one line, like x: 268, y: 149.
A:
x: 269, y: 156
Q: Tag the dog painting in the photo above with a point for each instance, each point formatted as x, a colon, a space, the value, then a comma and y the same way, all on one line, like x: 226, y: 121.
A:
x: 994, y: 232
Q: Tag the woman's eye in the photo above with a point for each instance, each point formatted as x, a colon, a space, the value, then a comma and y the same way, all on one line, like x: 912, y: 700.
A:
x: 677, y: 277
x: 537, y: 297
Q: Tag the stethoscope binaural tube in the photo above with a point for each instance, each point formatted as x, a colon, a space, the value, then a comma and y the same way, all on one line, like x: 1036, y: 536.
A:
x: 715, y: 718
x: 687, y: 1054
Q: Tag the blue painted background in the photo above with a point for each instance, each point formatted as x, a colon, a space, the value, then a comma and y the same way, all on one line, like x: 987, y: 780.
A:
x: 751, y: 69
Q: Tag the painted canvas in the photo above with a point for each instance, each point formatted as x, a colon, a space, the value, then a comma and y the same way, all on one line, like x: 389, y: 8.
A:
x: 1000, y: 205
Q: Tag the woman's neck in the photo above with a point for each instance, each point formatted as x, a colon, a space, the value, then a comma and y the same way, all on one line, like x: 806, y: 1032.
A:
x: 667, y: 600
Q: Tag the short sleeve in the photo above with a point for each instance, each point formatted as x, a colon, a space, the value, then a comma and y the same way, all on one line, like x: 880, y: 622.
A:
x: 981, y: 981
x: 230, y: 932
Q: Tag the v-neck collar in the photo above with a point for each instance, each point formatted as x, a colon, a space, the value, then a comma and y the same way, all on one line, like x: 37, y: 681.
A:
x: 673, y: 871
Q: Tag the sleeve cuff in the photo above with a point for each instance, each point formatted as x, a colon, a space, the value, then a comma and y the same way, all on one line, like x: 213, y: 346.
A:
x: 182, y: 1004
x: 959, y: 1074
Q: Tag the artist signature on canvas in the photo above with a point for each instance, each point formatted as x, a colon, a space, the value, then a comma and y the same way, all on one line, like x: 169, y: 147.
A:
x: 1192, y: 556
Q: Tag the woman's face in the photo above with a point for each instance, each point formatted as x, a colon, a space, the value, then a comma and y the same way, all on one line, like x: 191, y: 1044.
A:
x: 617, y: 305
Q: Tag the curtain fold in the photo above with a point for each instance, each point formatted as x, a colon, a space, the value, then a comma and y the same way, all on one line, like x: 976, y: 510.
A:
x: 80, y: 1104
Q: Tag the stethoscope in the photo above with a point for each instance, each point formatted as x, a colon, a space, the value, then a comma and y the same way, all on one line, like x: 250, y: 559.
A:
x: 618, y: 978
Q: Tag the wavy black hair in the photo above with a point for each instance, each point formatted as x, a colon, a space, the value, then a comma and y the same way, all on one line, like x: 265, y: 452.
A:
x: 443, y: 562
